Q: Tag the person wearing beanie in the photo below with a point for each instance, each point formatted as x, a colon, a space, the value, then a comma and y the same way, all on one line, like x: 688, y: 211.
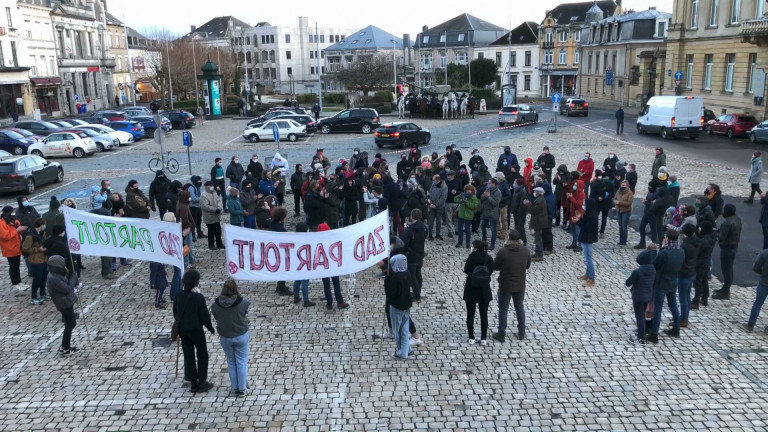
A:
x: 230, y: 310
x: 728, y: 240
x: 755, y: 174
x: 61, y: 284
x: 173, y: 195
x: 53, y: 217
x: 539, y: 221
x: 212, y: 207
x: 340, y: 303
x: 158, y: 193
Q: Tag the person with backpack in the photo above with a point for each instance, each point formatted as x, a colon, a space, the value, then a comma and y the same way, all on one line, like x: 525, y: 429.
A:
x: 477, y: 289
x: 397, y: 285
x: 33, y: 250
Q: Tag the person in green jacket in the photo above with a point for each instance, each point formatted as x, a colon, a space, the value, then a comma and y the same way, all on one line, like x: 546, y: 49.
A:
x: 236, y: 211
x: 468, y: 205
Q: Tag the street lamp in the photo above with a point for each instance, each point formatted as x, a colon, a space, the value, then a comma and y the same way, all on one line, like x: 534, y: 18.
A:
x: 394, y: 62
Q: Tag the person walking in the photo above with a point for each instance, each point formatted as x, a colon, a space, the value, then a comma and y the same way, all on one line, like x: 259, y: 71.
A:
x: 230, y: 311
x: 33, y: 249
x: 62, y: 286
x: 316, y: 110
x: 414, y: 236
x: 668, y: 263
x: 512, y: 262
x: 641, y: 281
x: 397, y: 285
x: 588, y: 227
x: 10, y: 245
x: 477, y: 289
x: 690, y: 246
x: 729, y: 237
x: 211, y: 207
x: 755, y: 174
x: 623, y: 200
x: 620, y: 121
x: 760, y: 267
x: 235, y: 172
x: 659, y: 161
x: 489, y: 202
x: 538, y: 211
x: 191, y: 312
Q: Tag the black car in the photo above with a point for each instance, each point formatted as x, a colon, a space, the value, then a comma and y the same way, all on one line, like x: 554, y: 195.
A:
x: 41, y: 128
x: 401, y: 134
x: 270, y: 115
x: 176, y: 116
x: 25, y: 173
x: 362, y: 120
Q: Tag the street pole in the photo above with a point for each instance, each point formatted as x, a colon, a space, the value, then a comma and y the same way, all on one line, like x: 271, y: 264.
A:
x: 469, y: 60
x: 170, y: 83
x: 194, y: 71
x: 394, y: 62
x: 446, y: 56
x: 319, y: 74
x: 130, y: 62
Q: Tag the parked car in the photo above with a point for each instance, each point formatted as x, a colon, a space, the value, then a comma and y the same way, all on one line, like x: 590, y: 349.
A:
x: 26, y: 133
x: 132, y: 127
x: 123, y: 137
x: 289, y: 129
x: 301, y: 119
x: 732, y: 125
x: 37, y: 127
x: 150, y: 125
x: 103, y: 141
x: 401, y: 134
x: 270, y: 115
x: 759, y: 133
x: 708, y: 115
x: 363, y: 120
x: 14, y: 142
x: 65, y: 123
x: 672, y: 116
x: 110, y: 115
x: 25, y: 173
x: 95, y: 120
x: 574, y: 106
x: 4, y: 154
x: 517, y: 114
x: 175, y: 118
x: 76, y: 144
x: 298, y: 110
x: 133, y: 111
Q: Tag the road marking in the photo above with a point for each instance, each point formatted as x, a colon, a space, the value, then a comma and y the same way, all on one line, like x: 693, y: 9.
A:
x: 230, y: 141
x: 46, y: 192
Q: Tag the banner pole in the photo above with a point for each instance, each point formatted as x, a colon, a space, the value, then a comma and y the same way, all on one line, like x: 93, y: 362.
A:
x: 82, y: 310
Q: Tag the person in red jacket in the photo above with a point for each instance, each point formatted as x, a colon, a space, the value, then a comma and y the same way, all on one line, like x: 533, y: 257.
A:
x: 10, y: 244
x: 567, y: 189
x: 528, y: 175
x: 576, y: 196
x: 586, y: 167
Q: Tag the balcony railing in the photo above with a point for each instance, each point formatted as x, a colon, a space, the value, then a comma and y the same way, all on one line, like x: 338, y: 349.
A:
x: 755, y: 27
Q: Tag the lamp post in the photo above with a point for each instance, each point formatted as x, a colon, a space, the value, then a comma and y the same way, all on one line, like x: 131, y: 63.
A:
x: 194, y: 67
x: 130, y: 62
x: 394, y: 62
x: 245, y: 63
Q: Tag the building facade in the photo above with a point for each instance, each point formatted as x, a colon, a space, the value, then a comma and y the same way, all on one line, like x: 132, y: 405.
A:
x: 559, y: 38
x: 218, y: 32
x: 15, y: 92
x: 616, y: 55
x: 517, y: 56
x: 85, y: 66
x: 720, y: 47
x: 454, y: 41
x: 132, y: 53
x: 42, y: 58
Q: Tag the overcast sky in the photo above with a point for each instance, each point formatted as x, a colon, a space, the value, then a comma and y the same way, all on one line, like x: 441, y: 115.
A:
x: 394, y: 16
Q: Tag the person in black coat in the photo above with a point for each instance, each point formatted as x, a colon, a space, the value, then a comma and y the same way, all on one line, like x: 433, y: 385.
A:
x: 56, y: 244
x: 602, y: 191
x: 397, y: 285
x: 588, y: 236
x: 414, y: 237
x: 668, y: 263
x: 478, y: 295
x: 351, y: 195
x: 707, y: 240
x: 663, y: 201
x: 641, y: 281
x: 191, y: 312
x: 314, y: 204
x: 690, y: 245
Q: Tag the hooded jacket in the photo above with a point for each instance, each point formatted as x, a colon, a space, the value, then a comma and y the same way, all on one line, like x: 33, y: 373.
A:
x: 707, y: 242
x: 173, y: 194
x: 136, y: 204
x: 60, y: 285
x: 414, y: 237
x: 10, y: 240
x: 235, y: 172
x: 482, y: 177
x: 230, y: 313
x: 641, y: 279
x: 624, y: 199
x: 195, y: 191
x: 730, y: 229
x: 57, y: 245
x: 659, y: 161
x: 512, y: 262
x: 561, y: 180
x: 755, y: 170
x: 158, y: 191
x: 510, y: 157
x: 279, y: 162
x: 576, y: 200
x: 314, y: 207
x: 31, y: 245
x: 183, y: 214
x: 528, y: 174
x: 589, y: 223
x: 551, y: 201
x: 761, y: 266
x: 397, y: 283
x: 247, y: 198
x: 473, y: 294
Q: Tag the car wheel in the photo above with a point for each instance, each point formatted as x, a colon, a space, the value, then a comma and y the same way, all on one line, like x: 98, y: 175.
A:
x: 18, y: 150
x: 692, y: 137
x: 536, y: 119
x: 78, y: 153
x: 427, y: 139
x: 664, y: 133
x: 729, y: 134
x: 403, y: 143
x: 325, y: 129
x: 753, y: 138
x: 640, y: 130
x: 253, y: 138
x: 366, y: 128
x: 37, y: 153
x: 149, y: 131
x: 100, y: 147
x: 501, y: 124
x: 30, y: 188
x: 705, y: 127
x: 60, y: 175
x: 292, y: 137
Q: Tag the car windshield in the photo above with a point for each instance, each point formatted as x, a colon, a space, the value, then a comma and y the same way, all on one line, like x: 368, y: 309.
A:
x: 49, y: 125
x: 6, y: 168
x: 24, y: 132
x: 13, y: 135
x: 88, y: 132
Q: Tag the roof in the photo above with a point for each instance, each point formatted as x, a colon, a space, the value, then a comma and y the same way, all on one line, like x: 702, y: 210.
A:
x: 524, y: 34
x: 567, y: 13
x: 368, y: 38
x: 111, y: 20
x: 217, y: 28
x: 464, y: 22
x: 650, y: 14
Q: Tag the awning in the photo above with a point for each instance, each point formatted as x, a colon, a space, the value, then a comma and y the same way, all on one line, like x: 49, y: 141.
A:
x: 46, y: 82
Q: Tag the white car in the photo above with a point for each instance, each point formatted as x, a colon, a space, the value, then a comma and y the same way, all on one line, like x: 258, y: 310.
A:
x: 289, y: 129
x: 123, y: 137
x: 75, y: 144
x: 137, y: 111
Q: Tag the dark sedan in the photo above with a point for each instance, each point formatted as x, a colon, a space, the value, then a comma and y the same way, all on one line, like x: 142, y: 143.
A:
x: 150, y: 125
x: 26, y: 173
x: 175, y: 117
x: 302, y: 119
x: 401, y: 134
x: 110, y: 115
x: 41, y: 128
x: 14, y: 142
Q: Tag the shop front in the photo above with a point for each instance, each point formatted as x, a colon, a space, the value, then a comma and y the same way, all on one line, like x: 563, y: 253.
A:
x: 47, y: 95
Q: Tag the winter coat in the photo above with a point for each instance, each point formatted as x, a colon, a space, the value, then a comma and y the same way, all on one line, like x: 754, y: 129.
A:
x: 397, y: 284
x: 706, y: 246
x: 210, y: 202
x: 31, y: 245
x: 59, y: 285
x: 512, y: 262
x: 764, y: 211
x: 631, y: 178
x: 10, y: 240
x: 57, y: 245
x: 589, y: 223
x: 235, y: 172
x: 546, y: 162
x: 668, y: 263
x: 297, y: 179
x: 516, y: 206
x: 236, y: 214
x: 641, y: 279
x: 602, y: 192
x: 506, y: 194
x: 453, y: 185
x: 255, y: 169
x: 414, y: 237
x: 193, y: 314
x: 490, y: 204
x: 551, y: 201
x: 690, y: 247
x: 761, y: 266
x: 511, y: 159
x: 586, y: 168
x: 438, y: 193
x: 662, y: 202
x: 52, y: 218
x: 248, y: 200
x: 314, y: 207
x: 730, y: 232
x: 717, y: 204
x: 477, y: 294
x: 183, y: 214
x: 26, y: 215
x: 475, y: 161
x: 468, y: 205
x: 194, y: 192
x: 609, y: 167
x: 755, y: 171
x: 332, y: 204
x: 136, y: 204
x: 560, y: 181
x: 658, y: 162
x: 267, y: 187
x: 158, y: 191
x: 538, y: 211
x: 576, y: 200
x: 625, y: 200
x: 230, y: 315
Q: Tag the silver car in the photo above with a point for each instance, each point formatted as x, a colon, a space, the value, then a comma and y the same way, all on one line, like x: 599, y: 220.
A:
x: 517, y: 114
x: 759, y: 133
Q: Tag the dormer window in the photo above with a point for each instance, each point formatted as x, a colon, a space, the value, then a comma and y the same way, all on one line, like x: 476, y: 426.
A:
x: 661, y: 29
x: 461, y: 37
x: 442, y: 38
x: 425, y: 39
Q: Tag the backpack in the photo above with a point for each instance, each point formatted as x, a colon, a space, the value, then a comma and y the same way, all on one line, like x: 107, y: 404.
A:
x: 480, y: 277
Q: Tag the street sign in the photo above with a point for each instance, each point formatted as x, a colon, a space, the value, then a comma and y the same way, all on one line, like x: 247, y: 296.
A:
x: 678, y: 76
x: 556, y: 97
x: 186, y: 138
x: 669, y: 72
x: 555, y: 107
x: 609, y: 76
x: 677, y: 83
x: 159, y: 136
x: 275, y: 133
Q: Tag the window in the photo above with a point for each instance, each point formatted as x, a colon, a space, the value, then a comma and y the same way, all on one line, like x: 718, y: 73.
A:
x: 597, y: 65
x: 576, y: 58
x: 425, y: 39
x: 311, y: 54
x: 561, y: 57
x: 442, y: 38
x: 426, y: 61
x: 528, y: 58
x: 287, y: 38
x: 513, y: 59
x: 730, y: 64
x: 689, y: 72
x: 695, y: 13
x: 735, y: 11
x: 548, y: 58
x: 481, y: 55
x: 287, y: 55
x: 461, y: 37
x: 79, y: 44
x: 13, y: 54
x: 119, y: 63
x: 274, y: 73
x: 661, y: 29
x: 271, y: 39
x: 708, y: 71
x: 51, y: 68
x: 8, y: 16
x: 322, y: 38
x: 33, y: 64
x: 589, y: 82
x: 751, y: 73
x: 312, y: 70
x: 562, y: 36
x: 548, y: 37
x: 442, y: 61
x: 460, y: 57
x: 589, y: 64
x: 577, y: 36
x: 272, y: 56
x: 759, y: 9
x: 713, y: 12
x: 498, y: 58
x: 527, y: 82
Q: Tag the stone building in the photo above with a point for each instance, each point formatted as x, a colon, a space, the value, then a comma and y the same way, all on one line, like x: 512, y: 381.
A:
x: 517, y: 56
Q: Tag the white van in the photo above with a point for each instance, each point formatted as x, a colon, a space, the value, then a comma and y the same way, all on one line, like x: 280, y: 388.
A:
x: 672, y: 116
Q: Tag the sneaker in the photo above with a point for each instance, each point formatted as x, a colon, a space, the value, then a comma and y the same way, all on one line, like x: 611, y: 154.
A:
x: 588, y: 283
x: 583, y: 277
x: 387, y: 334
x: 239, y: 393
x: 46, y: 298
x: 483, y: 342
x: 748, y: 328
x: 109, y: 276
x: 499, y: 337
x: 309, y: 303
x: 472, y: 341
x: 20, y: 287
x: 537, y: 259
x: 36, y: 301
x: 343, y: 305
x: 66, y: 352
x: 414, y: 341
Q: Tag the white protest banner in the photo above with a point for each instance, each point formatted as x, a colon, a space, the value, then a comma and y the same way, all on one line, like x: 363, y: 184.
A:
x: 274, y: 256
x: 142, y: 239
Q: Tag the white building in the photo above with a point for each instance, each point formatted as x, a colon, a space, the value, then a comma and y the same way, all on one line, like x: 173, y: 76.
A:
x: 42, y: 58
x: 15, y: 96
x: 517, y: 56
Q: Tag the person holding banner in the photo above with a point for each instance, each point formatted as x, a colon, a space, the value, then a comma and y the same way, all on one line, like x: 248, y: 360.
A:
x: 10, y: 244
x: 212, y: 209
x: 191, y: 311
x: 341, y: 304
x: 184, y: 215
x: 230, y: 310
x: 278, y: 225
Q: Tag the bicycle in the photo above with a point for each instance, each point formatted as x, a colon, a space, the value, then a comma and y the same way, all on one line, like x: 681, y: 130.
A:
x: 156, y: 163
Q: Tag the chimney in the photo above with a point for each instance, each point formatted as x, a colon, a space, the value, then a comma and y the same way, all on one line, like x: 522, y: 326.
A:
x: 192, y: 28
x: 407, y: 49
x: 424, y: 28
x: 652, y: 8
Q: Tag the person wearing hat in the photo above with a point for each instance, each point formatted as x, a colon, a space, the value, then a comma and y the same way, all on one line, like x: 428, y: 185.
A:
x: 33, y: 249
x: 53, y: 217
x: 212, y: 208
x: 755, y: 174
x: 62, y: 286
x: 546, y: 161
x: 56, y: 244
x: 158, y: 193
x: 10, y: 244
x: 659, y: 161
x: 539, y: 221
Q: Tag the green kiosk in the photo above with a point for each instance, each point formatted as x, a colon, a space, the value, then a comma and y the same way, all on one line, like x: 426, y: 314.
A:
x: 212, y: 89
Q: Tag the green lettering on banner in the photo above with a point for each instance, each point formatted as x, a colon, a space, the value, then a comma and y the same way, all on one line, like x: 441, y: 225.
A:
x: 136, y: 238
x: 147, y: 239
x: 123, y: 233
x: 80, y: 225
x: 101, y: 234
x: 111, y: 226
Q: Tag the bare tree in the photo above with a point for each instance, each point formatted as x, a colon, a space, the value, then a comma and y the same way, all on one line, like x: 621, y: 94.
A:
x: 371, y: 71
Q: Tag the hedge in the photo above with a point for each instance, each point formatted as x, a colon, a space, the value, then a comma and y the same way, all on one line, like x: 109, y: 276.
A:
x: 334, y: 98
x: 381, y: 109
x: 486, y: 94
x: 306, y: 98
x: 188, y: 103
